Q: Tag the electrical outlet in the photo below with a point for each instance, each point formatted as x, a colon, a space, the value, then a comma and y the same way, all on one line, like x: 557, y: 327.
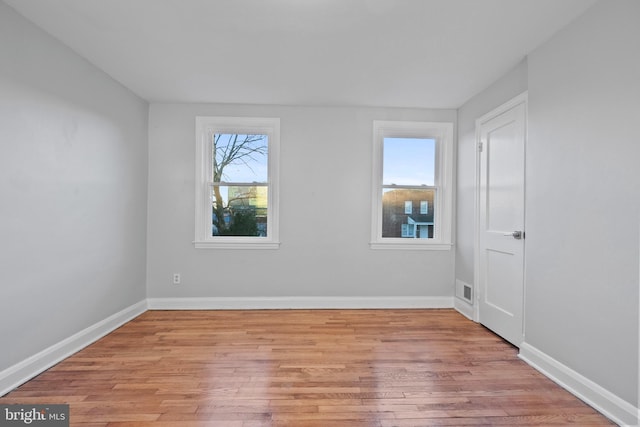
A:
x: 176, y: 278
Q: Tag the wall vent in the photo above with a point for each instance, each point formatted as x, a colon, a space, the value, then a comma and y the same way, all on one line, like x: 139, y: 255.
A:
x: 466, y: 292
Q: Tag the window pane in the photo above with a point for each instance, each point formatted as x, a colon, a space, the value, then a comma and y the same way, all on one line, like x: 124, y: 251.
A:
x: 397, y: 223
x: 409, y: 161
x: 239, y: 210
x: 239, y: 158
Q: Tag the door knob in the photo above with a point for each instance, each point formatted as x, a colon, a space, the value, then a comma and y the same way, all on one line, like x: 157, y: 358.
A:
x: 516, y: 234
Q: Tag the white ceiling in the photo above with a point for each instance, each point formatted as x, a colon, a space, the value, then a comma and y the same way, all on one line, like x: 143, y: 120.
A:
x: 402, y: 53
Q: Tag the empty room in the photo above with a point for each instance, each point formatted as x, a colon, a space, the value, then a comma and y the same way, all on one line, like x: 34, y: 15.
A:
x: 319, y: 212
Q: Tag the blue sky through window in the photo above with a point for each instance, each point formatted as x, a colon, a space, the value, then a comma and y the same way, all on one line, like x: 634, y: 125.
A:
x: 409, y: 161
x: 249, y: 168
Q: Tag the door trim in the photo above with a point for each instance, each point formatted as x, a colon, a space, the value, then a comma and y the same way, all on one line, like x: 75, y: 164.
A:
x: 477, y: 292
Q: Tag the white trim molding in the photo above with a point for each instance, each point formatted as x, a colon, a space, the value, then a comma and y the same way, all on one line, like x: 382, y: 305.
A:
x: 265, y: 303
x: 463, y: 307
x: 618, y: 410
x: 23, y: 371
x: 522, y: 98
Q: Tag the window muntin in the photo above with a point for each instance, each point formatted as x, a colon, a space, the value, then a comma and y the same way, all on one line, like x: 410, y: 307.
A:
x: 236, y: 185
x: 412, y: 167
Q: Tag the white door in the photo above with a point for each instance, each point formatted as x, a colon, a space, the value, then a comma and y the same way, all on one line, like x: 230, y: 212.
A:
x: 501, y: 235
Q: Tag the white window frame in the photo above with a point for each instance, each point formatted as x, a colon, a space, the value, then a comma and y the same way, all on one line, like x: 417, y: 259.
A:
x: 442, y: 133
x: 235, y: 125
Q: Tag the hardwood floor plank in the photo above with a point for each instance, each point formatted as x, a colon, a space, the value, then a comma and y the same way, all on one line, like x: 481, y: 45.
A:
x: 342, y: 368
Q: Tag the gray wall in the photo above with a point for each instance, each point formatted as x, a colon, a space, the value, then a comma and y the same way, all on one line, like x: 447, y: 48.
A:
x: 583, y: 197
x: 73, y: 184
x: 325, y: 177
x: 583, y: 193
x: 73, y: 177
x: 507, y: 87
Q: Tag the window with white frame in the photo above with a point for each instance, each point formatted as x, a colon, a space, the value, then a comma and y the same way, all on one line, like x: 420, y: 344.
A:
x: 412, y: 165
x: 408, y: 230
x: 408, y: 207
x: 237, y: 182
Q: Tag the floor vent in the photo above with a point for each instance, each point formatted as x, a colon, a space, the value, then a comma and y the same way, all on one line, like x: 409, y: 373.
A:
x: 466, y: 293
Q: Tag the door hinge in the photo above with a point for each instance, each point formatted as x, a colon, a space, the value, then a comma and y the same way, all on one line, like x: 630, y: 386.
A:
x: 480, y: 146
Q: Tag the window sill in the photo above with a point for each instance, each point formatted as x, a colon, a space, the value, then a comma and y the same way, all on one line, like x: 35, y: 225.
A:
x: 236, y: 245
x: 411, y: 246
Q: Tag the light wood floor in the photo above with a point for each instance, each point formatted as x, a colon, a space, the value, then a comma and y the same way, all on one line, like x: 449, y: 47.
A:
x: 335, y: 368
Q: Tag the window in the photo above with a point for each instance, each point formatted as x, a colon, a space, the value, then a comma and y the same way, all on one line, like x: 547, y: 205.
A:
x: 408, y: 207
x: 236, y: 182
x: 408, y: 230
x: 413, y: 165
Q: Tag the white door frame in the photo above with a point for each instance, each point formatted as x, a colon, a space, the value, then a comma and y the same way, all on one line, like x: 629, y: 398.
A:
x: 522, y: 98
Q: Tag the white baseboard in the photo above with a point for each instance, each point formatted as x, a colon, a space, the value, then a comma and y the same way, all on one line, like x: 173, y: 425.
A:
x: 23, y: 371
x: 607, y: 403
x: 257, y: 303
x: 463, y: 307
